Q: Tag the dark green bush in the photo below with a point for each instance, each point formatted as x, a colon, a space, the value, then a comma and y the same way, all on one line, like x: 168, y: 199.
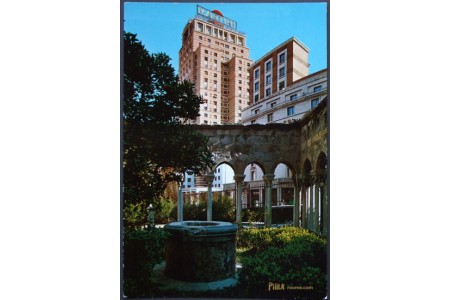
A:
x: 164, y: 211
x: 142, y: 251
x: 135, y: 215
x: 194, y: 211
x: 252, y: 215
x: 290, y: 256
x: 223, y: 209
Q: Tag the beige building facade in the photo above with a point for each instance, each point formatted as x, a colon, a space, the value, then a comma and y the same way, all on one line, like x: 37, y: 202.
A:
x: 214, y: 56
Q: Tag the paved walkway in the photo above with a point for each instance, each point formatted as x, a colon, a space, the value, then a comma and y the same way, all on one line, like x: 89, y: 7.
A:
x: 168, y: 283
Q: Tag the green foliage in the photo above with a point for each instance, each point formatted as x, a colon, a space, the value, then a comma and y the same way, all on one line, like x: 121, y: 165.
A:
x: 143, y: 250
x: 252, y: 215
x: 291, y: 256
x: 164, y: 211
x: 194, y: 211
x: 260, y: 239
x: 158, y: 144
x: 223, y: 208
x: 136, y: 214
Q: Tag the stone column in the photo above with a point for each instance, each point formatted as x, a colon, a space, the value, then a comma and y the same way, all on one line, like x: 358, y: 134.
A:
x: 296, y: 208
x: 311, y: 207
x: 180, y: 202
x: 209, y: 180
x: 325, y: 207
x: 316, y: 206
x: 268, y: 211
x: 239, y: 179
x: 304, y: 207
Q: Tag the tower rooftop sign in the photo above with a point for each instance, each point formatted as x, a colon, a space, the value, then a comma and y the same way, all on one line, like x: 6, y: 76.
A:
x: 216, y: 18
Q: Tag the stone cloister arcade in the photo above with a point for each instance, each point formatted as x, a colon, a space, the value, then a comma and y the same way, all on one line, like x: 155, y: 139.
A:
x: 302, y: 146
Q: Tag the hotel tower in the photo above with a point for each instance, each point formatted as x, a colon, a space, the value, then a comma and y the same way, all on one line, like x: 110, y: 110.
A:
x: 215, y: 58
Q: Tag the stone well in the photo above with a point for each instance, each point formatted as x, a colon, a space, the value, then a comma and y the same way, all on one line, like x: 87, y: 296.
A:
x: 201, y: 251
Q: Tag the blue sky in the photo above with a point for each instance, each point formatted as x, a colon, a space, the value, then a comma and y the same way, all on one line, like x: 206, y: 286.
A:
x: 159, y: 25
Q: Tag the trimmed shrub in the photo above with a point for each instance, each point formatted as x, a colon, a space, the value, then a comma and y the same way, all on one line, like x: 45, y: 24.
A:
x: 223, y: 209
x: 135, y: 215
x: 194, y: 211
x: 252, y: 215
x: 290, y: 256
x: 163, y: 212
x: 142, y: 251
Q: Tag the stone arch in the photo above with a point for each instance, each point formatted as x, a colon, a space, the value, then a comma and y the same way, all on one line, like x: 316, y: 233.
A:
x: 258, y: 164
x: 307, y: 167
x: 287, y: 164
x: 217, y: 164
x: 322, y: 161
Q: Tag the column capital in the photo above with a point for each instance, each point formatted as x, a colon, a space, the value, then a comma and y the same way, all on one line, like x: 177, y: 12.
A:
x: 319, y: 177
x: 209, y: 178
x: 268, y: 178
x: 305, y: 179
x: 239, y: 178
x: 297, y: 179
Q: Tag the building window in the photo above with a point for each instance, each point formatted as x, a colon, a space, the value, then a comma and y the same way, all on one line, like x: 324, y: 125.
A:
x: 189, y: 179
x: 268, y: 79
x: 293, y: 97
x: 205, y: 114
x: 256, y: 86
x: 272, y: 105
x: 253, y: 175
x: 256, y: 97
x: 281, y: 85
x: 282, y: 72
x: 290, y: 110
x: 317, y: 88
x: 269, y: 117
x: 206, y: 51
x: 256, y: 74
x: 268, y: 92
x: 314, y: 103
x: 282, y: 58
x: 269, y: 66
x: 256, y: 111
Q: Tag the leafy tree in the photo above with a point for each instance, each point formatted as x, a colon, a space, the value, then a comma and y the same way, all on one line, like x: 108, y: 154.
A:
x: 158, y: 142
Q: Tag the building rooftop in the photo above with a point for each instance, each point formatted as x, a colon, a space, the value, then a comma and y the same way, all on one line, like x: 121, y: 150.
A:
x: 282, y: 45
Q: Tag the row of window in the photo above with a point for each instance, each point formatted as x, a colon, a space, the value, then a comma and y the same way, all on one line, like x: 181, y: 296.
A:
x: 290, y: 110
x: 268, y: 77
x: 295, y: 96
x: 219, y: 34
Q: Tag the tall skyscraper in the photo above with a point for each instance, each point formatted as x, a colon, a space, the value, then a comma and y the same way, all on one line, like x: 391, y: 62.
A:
x: 215, y: 58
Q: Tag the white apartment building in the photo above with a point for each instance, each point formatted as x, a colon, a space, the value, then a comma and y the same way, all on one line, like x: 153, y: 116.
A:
x: 289, y: 104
